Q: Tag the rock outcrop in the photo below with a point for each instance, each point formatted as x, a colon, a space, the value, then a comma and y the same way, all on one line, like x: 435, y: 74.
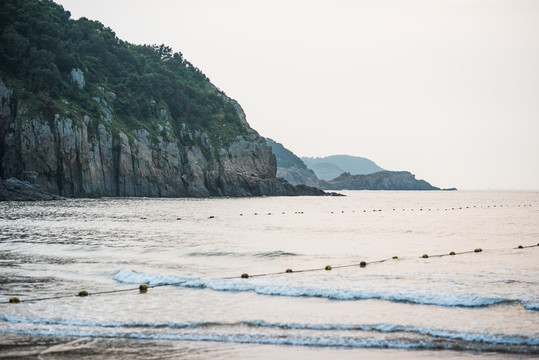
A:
x: 17, y: 190
x: 74, y: 156
x: 382, y: 180
x: 290, y: 167
x: 298, y: 176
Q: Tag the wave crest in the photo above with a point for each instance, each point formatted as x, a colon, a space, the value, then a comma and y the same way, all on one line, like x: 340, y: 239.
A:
x: 128, y: 276
x: 310, y: 334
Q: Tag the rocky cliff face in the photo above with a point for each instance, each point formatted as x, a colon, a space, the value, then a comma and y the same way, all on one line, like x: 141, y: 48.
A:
x: 298, y: 176
x: 17, y: 190
x: 84, y: 157
x: 290, y: 167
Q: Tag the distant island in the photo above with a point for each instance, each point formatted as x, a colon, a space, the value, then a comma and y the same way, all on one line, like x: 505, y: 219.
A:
x: 349, y: 172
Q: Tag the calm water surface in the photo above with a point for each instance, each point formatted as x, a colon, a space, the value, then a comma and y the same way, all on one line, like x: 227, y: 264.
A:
x: 193, y: 251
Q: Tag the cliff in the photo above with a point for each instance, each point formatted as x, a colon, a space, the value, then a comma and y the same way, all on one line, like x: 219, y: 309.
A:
x: 62, y: 158
x: 84, y: 114
x: 290, y: 167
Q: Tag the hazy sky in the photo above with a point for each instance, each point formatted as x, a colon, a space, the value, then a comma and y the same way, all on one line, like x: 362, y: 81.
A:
x: 447, y: 89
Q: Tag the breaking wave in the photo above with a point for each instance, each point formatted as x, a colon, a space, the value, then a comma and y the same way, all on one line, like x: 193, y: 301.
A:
x: 262, y: 332
x: 128, y: 276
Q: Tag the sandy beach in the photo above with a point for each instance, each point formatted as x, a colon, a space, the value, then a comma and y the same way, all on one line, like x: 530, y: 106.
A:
x: 22, y: 347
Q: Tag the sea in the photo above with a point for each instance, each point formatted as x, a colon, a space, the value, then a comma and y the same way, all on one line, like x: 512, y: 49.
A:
x: 366, y: 275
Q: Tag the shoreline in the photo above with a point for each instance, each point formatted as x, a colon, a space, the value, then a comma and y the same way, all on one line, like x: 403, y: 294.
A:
x: 13, y: 189
x: 26, y: 347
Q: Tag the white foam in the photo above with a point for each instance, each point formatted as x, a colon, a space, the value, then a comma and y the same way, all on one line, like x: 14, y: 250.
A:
x: 335, y: 293
x: 349, y: 335
x: 531, y: 305
x: 392, y: 328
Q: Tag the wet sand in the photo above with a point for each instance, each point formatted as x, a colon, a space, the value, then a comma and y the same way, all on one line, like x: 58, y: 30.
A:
x: 23, y: 347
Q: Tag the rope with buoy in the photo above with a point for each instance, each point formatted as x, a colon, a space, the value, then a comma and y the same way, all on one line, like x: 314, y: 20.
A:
x: 143, y: 288
x: 423, y: 209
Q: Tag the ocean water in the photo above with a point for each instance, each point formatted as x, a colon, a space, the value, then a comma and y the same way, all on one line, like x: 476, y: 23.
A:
x: 192, y: 253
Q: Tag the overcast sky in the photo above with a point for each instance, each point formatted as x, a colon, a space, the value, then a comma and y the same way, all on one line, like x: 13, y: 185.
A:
x: 446, y: 89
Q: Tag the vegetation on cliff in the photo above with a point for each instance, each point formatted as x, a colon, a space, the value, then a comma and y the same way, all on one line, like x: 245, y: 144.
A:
x: 58, y: 65
x: 285, y: 158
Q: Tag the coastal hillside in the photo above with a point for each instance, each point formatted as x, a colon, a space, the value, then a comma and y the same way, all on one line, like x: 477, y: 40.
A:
x: 294, y: 170
x: 382, y: 180
x: 330, y: 167
x: 86, y: 114
x: 290, y: 167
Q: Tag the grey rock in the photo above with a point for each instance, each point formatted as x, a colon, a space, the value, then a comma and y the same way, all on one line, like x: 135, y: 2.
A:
x: 77, y: 78
x: 111, y: 95
x: 18, y: 190
x: 299, y: 176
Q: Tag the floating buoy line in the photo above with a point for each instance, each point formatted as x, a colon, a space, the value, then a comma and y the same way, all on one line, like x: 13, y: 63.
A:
x: 143, y: 288
x: 378, y: 210
x: 424, y: 209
